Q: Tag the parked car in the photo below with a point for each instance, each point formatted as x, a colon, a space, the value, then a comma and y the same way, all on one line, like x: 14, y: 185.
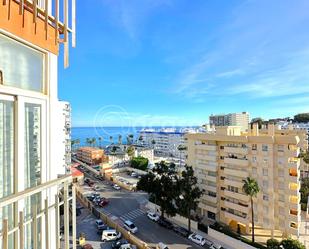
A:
x: 181, y: 231
x: 161, y: 246
x: 216, y: 246
x: 110, y: 234
x: 199, y: 239
x: 153, y: 216
x: 129, y: 225
x: 115, y: 186
x: 100, y: 224
x: 103, y: 202
x: 165, y: 223
x: 87, y: 246
x: 118, y: 243
x: 133, y: 174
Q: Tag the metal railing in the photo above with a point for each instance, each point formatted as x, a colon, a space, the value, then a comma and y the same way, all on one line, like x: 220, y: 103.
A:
x: 50, y: 213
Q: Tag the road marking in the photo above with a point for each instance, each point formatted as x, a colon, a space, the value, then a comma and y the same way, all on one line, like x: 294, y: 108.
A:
x: 132, y: 215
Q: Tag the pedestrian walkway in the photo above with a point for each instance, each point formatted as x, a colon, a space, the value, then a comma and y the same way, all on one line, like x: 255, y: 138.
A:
x: 132, y: 215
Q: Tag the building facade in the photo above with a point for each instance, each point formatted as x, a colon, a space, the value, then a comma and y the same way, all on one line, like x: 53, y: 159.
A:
x: 165, y: 142
x: 90, y: 155
x: 33, y: 189
x: 222, y: 160
x: 232, y: 119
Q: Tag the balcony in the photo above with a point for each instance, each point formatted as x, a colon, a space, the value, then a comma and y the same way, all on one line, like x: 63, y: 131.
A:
x: 237, y: 184
x: 206, y: 147
x: 49, y: 215
x: 210, y: 198
x: 238, y: 196
x: 238, y: 207
x: 206, y: 157
x: 236, y: 217
x: 40, y: 23
x: 208, y: 207
x: 210, y: 188
x: 236, y: 161
x: 211, y: 178
x: 235, y: 172
x: 236, y: 150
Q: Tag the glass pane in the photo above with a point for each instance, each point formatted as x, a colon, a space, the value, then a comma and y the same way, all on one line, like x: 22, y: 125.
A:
x: 6, y: 157
x: 32, y: 145
x: 20, y: 66
x: 32, y: 167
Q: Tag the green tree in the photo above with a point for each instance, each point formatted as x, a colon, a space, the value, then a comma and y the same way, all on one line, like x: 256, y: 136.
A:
x: 88, y: 141
x: 290, y: 243
x: 93, y: 141
x: 273, y: 244
x: 139, y: 163
x: 301, y: 118
x: 304, y: 192
x: 251, y: 188
x: 131, y: 151
x: 161, y: 184
x: 100, y: 142
x: 190, y: 194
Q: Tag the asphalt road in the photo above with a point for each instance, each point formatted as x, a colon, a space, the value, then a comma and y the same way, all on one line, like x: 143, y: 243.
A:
x: 126, y: 205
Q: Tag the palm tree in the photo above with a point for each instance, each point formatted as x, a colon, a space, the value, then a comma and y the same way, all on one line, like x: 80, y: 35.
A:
x: 88, y: 141
x: 119, y: 139
x: 111, y: 139
x: 77, y: 141
x: 93, y: 141
x: 153, y: 142
x: 251, y: 188
x: 100, y: 142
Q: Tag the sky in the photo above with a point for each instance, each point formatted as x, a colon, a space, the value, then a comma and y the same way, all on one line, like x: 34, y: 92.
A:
x: 175, y: 62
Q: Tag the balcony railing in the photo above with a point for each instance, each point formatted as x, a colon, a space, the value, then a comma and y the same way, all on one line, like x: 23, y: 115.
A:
x: 50, y: 213
x: 48, y: 12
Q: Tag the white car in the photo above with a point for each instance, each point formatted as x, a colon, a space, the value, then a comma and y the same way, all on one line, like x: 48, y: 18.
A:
x: 215, y: 246
x: 161, y: 246
x: 153, y: 216
x: 197, y: 239
x: 129, y: 225
x: 115, y: 186
x: 110, y: 234
x: 133, y: 174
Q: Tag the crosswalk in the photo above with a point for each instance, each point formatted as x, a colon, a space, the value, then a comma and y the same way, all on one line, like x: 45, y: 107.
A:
x: 132, y: 215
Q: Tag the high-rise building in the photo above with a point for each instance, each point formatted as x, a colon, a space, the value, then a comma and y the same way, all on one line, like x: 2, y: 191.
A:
x: 232, y: 119
x: 35, y: 194
x: 222, y: 160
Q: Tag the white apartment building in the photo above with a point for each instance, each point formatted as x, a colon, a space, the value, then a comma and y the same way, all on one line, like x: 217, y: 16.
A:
x: 232, y: 119
x: 165, y: 142
x: 33, y: 187
x: 222, y: 160
x: 64, y: 126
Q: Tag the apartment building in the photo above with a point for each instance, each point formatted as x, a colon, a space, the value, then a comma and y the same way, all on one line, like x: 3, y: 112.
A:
x: 232, y: 119
x: 90, y: 155
x: 33, y: 188
x: 64, y: 125
x: 166, y: 141
x: 222, y: 160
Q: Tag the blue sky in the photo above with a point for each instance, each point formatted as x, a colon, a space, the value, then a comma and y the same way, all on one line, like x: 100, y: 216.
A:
x: 174, y: 62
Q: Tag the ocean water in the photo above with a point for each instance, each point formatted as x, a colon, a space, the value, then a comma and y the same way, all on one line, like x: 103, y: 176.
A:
x: 82, y: 133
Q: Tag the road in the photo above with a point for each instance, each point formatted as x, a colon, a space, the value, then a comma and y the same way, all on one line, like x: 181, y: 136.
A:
x: 126, y: 205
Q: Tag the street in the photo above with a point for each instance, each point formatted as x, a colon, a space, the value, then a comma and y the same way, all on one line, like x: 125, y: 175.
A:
x: 126, y: 205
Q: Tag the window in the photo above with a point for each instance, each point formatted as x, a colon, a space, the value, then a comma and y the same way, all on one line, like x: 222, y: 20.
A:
x: 265, y: 197
x: 265, y: 185
x: 281, y: 172
x: 265, y: 172
x: 19, y: 65
x: 264, y: 147
x: 281, y: 197
x: 281, y: 210
x: 254, y: 147
x: 7, y: 159
x: 254, y: 159
x: 280, y: 148
x: 281, y: 185
x: 254, y: 170
x: 265, y: 160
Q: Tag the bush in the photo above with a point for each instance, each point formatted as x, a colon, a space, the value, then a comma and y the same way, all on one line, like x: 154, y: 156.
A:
x: 273, y: 244
x: 292, y: 244
x: 139, y: 163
